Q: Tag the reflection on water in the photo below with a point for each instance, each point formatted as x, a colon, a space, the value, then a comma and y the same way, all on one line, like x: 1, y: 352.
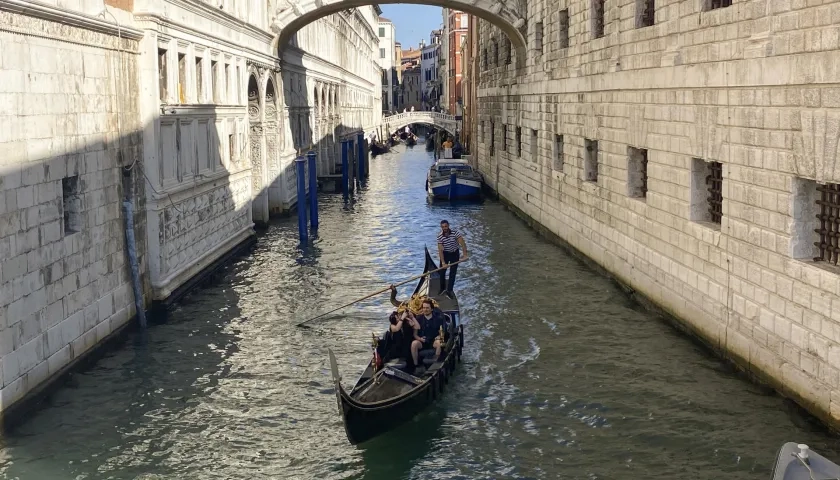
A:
x: 563, y: 377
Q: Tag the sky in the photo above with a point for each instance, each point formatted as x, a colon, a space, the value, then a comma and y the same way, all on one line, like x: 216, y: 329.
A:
x: 413, y: 22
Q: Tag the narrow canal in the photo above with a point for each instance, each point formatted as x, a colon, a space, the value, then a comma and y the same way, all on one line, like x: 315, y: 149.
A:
x: 563, y: 376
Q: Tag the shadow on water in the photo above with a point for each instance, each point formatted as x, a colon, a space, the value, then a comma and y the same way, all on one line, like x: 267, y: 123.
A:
x: 394, y: 454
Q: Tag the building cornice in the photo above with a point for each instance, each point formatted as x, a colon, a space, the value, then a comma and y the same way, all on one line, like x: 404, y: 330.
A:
x: 66, y: 17
x: 223, y: 18
x: 306, y: 55
x: 256, y: 57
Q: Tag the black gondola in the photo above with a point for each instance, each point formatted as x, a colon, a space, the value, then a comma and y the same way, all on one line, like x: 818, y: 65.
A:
x: 430, y: 142
x: 378, y: 148
x: 385, y: 398
x: 411, y: 140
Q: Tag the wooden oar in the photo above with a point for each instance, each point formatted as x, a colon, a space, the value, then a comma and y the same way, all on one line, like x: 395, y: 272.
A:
x: 380, y: 291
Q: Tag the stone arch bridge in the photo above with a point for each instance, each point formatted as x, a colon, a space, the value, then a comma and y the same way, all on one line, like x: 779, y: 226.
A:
x: 439, y: 120
x: 292, y: 15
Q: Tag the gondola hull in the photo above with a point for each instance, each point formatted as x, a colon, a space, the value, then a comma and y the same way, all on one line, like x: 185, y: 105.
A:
x: 367, y: 412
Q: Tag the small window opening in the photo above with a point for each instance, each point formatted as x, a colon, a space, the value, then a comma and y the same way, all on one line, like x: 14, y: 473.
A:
x: 558, y: 153
x: 504, y: 138
x: 637, y: 161
x: 508, y: 51
x: 563, y: 35
x: 518, y: 141
x: 828, y: 227
x: 199, y: 79
x: 214, y: 83
x: 182, y: 78
x: 714, y: 4
x: 597, y: 18
x: 162, y: 75
x: 72, y: 204
x: 538, y: 37
x: 492, y: 139
x: 706, y: 191
x: 590, y: 166
x: 645, y: 13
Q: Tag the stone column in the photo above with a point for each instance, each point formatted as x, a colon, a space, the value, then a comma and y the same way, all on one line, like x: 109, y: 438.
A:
x: 272, y: 146
x: 259, y: 196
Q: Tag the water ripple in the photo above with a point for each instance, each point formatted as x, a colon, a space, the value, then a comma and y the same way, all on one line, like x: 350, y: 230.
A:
x: 562, y: 377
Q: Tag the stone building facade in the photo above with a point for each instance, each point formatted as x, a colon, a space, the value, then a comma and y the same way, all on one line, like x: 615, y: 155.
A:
x: 690, y: 148
x: 69, y: 128
x: 184, y: 107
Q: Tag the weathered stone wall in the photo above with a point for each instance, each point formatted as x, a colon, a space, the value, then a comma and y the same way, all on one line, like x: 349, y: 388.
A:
x: 753, y: 86
x: 68, y: 122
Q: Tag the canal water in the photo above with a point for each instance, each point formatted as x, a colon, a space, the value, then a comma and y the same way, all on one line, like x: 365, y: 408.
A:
x: 564, y: 377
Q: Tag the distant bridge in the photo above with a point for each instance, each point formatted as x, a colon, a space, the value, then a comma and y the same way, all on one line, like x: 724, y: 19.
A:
x: 442, y: 121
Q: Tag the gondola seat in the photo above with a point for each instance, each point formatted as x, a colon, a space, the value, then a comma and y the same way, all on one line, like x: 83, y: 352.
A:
x: 427, y: 356
x: 397, y: 363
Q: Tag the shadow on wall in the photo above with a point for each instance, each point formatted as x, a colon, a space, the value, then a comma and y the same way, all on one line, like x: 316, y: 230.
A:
x: 65, y: 283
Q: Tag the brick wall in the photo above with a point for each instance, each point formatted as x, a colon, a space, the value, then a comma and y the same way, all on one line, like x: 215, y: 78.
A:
x: 752, y: 86
x: 67, y: 111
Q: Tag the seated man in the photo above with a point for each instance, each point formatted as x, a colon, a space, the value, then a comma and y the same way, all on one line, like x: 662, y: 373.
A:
x: 426, y: 332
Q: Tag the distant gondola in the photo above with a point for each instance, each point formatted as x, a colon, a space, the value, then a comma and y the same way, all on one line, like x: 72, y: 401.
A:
x: 385, y: 398
x: 378, y: 148
x: 411, y: 141
x: 430, y: 142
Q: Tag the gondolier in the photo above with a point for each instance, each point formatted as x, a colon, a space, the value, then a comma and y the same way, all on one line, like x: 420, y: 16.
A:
x: 448, y: 251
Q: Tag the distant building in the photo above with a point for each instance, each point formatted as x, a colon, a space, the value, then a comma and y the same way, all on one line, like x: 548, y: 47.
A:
x: 408, y: 60
x: 387, y: 59
x: 457, y: 24
x: 429, y: 74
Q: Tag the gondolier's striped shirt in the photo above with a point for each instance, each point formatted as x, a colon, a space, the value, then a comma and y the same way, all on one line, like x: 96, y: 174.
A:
x: 449, y: 242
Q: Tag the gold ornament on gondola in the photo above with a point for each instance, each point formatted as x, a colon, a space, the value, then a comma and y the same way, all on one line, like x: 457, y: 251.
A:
x: 415, y: 304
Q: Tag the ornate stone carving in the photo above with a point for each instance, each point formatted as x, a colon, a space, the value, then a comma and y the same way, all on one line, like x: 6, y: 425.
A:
x: 256, y: 159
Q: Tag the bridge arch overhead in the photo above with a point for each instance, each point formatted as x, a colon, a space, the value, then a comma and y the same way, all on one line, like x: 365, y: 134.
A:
x: 504, y: 14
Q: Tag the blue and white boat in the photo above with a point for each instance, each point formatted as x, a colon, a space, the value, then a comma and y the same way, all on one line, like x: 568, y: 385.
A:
x: 453, y: 179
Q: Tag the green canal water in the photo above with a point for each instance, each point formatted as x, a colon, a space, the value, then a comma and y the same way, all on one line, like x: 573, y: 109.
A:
x: 563, y: 376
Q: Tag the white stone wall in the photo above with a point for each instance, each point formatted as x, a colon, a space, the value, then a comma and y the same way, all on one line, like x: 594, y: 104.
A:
x: 68, y: 122
x: 753, y: 86
x: 204, y: 153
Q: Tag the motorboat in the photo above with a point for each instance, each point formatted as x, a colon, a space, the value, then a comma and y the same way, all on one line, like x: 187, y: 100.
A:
x: 453, y: 179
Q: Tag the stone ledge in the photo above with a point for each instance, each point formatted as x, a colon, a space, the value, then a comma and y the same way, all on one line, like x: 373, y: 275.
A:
x: 165, y: 295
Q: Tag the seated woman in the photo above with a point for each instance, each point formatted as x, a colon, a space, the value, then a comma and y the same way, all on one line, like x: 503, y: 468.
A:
x: 426, y: 335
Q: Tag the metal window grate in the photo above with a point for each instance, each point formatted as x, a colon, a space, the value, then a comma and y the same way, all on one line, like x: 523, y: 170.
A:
x: 714, y: 184
x: 829, y: 217
x: 644, y: 173
x: 719, y: 4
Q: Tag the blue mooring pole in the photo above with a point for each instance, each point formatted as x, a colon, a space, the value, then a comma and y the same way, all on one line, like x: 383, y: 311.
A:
x: 345, y: 168
x: 453, y: 182
x: 313, y: 192
x: 300, y: 166
x: 360, y: 140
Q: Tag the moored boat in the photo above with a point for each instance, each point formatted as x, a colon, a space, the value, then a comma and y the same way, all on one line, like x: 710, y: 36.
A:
x: 411, y: 140
x: 453, y: 179
x: 798, y: 462
x: 388, y: 395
